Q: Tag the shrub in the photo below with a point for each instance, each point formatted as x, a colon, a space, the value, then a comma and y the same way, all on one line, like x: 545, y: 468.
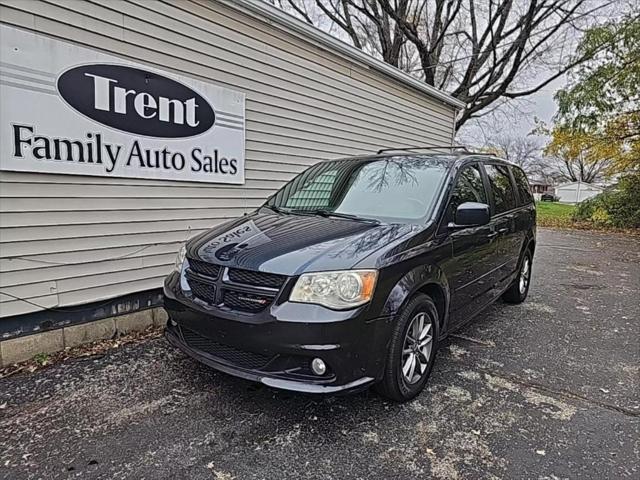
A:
x: 616, y: 207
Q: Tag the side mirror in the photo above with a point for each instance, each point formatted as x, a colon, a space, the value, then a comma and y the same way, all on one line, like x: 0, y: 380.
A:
x: 472, y: 214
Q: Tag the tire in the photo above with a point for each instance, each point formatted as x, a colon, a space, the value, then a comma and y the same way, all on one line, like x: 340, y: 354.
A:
x: 395, y: 384
x: 518, y: 291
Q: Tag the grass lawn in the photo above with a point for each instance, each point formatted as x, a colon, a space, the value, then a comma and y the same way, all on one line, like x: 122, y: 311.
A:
x: 554, y: 214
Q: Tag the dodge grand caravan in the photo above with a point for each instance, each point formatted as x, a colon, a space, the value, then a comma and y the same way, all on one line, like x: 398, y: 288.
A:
x: 353, y: 272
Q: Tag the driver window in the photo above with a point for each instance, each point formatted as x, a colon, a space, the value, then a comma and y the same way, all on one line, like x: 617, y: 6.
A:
x: 468, y: 188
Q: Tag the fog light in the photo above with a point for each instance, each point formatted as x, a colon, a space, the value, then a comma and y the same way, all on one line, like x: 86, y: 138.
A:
x: 318, y: 366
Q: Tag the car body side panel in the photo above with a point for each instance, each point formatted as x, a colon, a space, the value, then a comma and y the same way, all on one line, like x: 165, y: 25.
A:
x: 470, y: 270
x: 508, y: 244
x: 423, y: 270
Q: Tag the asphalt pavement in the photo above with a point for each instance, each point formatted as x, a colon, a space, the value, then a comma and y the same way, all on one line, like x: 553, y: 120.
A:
x: 545, y: 390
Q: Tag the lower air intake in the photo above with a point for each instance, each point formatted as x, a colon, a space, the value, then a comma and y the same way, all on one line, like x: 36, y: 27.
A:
x: 230, y: 355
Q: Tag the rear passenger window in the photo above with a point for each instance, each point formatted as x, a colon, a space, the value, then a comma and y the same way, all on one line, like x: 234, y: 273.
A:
x: 523, y: 186
x: 504, y: 195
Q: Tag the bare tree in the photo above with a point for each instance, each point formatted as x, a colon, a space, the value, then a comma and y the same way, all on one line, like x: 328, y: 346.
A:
x: 556, y: 169
x: 579, y: 169
x: 363, y: 23
x: 547, y: 170
x: 523, y: 150
x: 480, y: 51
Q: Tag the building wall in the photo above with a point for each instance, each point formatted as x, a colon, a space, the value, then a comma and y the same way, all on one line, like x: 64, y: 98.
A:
x: 67, y: 240
x: 576, y: 193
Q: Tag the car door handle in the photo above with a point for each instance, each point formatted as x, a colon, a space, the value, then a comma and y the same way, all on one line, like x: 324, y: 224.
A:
x: 503, y: 230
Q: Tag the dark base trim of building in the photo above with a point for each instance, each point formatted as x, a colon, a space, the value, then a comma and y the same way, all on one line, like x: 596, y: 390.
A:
x: 52, y: 330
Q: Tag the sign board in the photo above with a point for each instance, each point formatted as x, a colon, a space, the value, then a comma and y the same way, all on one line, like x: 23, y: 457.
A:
x: 72, y: 110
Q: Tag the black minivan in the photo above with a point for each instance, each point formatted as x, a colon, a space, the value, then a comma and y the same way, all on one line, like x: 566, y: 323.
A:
x: 352, y: 273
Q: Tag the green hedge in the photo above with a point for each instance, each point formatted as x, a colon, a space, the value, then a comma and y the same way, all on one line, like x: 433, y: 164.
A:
x: 616, y: 207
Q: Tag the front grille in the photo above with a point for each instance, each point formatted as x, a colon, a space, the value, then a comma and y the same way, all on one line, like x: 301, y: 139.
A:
x: 259, y: 279
x: 204, y: 268
x: 203, y: 279
x: 202, y: 290
x: 234, y: 356
x: 246, y: 302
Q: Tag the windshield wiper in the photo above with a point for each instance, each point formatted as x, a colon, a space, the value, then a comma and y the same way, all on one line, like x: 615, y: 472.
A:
x: 328, y: 213
x: 322, y: 213
x: 273, y: 208
x: 284, y: 211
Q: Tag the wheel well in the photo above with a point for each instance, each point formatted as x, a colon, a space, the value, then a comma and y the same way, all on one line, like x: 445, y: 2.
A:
x: 532, y: 246
x: 437, y: 294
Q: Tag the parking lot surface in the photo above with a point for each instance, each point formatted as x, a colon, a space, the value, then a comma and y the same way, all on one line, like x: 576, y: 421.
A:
x: 545, y: 390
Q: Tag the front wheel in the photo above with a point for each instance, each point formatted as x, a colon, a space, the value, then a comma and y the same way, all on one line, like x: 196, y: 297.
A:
x: 519, y: 289
x: 412, y: 350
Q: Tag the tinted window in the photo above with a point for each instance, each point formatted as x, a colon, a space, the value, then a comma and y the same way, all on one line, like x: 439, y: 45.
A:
x: 391, y: 189
x: 468, y: 188
x: 503, y: 193
x: 523, y: 186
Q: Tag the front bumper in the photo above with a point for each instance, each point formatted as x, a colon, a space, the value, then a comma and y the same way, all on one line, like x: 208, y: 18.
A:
x: 276, y: 346
x: 173, y: 336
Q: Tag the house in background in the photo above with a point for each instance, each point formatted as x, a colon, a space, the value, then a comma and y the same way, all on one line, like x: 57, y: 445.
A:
x: 540, y: 185
x: 576, y: 192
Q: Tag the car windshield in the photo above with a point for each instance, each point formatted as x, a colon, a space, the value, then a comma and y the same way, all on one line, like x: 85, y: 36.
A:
x: 397, y: 189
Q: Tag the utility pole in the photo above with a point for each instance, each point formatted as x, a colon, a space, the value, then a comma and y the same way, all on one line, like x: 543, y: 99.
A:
x: 580, y: 177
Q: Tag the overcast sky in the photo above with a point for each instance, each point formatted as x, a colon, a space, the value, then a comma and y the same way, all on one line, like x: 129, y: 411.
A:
x: 515, y: 118
x: 543, y: 105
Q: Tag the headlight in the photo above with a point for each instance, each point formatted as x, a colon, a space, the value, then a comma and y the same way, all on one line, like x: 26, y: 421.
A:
x: 337, y: 290
x: 180, y: 258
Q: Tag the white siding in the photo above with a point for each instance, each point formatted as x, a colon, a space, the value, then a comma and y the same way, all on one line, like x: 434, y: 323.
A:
x: 576, y: 193
x: 67, y: 240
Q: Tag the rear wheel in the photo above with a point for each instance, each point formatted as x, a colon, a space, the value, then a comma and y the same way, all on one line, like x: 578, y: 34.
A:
x: 412, y: 350
x: 519, y: 289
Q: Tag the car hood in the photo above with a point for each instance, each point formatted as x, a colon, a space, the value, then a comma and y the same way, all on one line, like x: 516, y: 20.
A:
x: 293, y: 244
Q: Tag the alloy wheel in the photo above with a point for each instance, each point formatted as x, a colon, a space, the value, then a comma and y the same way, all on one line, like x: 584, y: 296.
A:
x: 416, y: 350
x: 525, y: 275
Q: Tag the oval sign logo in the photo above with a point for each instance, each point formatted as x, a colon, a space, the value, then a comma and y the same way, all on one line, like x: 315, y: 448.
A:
x: 136, y: 101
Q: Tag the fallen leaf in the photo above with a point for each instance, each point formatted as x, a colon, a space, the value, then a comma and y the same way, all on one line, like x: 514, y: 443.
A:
x: 541, y: 452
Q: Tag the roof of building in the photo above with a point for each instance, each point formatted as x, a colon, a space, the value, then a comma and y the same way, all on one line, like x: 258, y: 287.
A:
x: 539, y: 180
x: 582, y: 185
x: 263, y: 10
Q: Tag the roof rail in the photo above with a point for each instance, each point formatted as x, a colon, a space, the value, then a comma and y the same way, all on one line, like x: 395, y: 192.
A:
x: 436, y: 147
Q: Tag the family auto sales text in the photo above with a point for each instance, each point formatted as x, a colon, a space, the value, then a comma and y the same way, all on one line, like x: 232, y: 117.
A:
x: 94, y: 150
